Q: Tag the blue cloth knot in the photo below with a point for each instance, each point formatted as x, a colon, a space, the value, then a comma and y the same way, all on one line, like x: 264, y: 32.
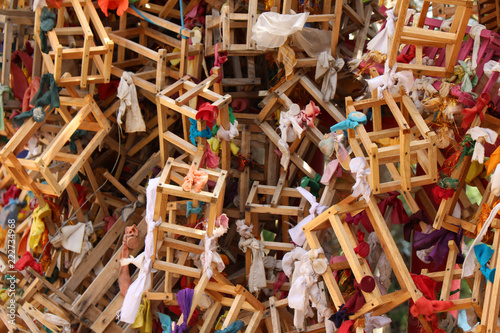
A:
x: 483, y: 254
x: 194, y: 133
x: 190, y: 210
x: 352, y: 121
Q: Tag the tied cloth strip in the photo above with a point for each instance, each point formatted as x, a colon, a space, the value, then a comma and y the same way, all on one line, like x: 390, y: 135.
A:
x: 233, y: 327
x: 210, y: 254
x: 304, y: 285
x: 483, y: 255
x: 129, y: 104
x: 313, y: 184
x: 133, y: 297
x: 353, y: 120
x: 47, y: 23
x: 190, y: 210
x: 290, y: 129
x: 475, y: 33
x: 391, y: 81
x: 470, y: 79
x: 208, y: 112
x: 296, y: 233
x: 257, y: 276
x: 41, y: 100
x: 480, y: 135
x: 375, y: 322
x: 328, y: 67
x: 331, y: 143
x: 194, y: 133
x: 195, y: 179
x: 361, y: 187
x: 184, y: 299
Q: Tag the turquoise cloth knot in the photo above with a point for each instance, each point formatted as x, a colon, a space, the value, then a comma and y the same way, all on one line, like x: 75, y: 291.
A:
x: 233, y: 327
x: 313, y: 184
x: 190, y: 210
x: 166, y: 322
x: 194, y: 133
x: 352, y: 121
x: 483, y: 254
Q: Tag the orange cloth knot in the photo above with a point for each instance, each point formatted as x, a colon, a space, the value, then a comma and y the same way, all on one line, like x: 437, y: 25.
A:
x: 429, y: 308
x: 195, y: 179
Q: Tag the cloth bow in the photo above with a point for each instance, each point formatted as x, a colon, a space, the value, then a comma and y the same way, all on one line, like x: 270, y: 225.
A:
x: 470, y: 113
x: 309, y: 114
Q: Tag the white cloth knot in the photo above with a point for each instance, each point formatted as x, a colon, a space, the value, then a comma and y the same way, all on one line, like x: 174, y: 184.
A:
x: 129, y: 104
x: 223, y: 134
x: 304, y: 284
x: 446, y: 24
x: 358, y: 166
x: 380, y: 41
x: 291, y: 129
x: 375, y: 322
x: 58, y: 321
x: 475, y: 32
x: 480, y: 134
x: 257, y: 275
x: 210, y: 255
x: 490, y: 67
x: 296, y: 233
x: 391, y: 81
x: 328, y: 66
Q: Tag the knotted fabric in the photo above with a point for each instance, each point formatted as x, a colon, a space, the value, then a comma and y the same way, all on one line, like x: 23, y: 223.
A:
x: 27, y: 260
x: 10, y: 212
x: 494, y: 160
x: 353, y: 120
x: 380, y: 41
x: 190, y: 210
x: 483, y: 255
x: 329, y: 85
x: 428, y: 308
x: 166, y: 322
x: 70, y: 237
x: 304, y: 284
x: 424, y: 84
x: 340, y: 316
x: 195, y: 179
x: 470, y: 79
x: 391, y: 81
x: 332, y: 168
x: 375, y: 322
x: 133, y: 297
x: 470, y: 113
x: 290, y: 129
x: 309, y: 114
x: 223, y: 134
x: 210, y: 254
x: 363, y: 249
x: 475, y: 33
x: 120, y: 5
x: 333, y: 142
x: 313, y: 184
x: 296, y: 233
x: 220, y: 58
x: 257, y: 276
x: 480, y: 135
x: 439, y: 240
x: 194, y: 133
x: 129, y: 104
x: 47, y: 23
x: 361, y: 187
x: 210, y: 159
x: 184, y: 299
x: 47, y: 94
x: 417, y: 217
x: 208, y: 112
x: 234, y: 327
x: 38, y: 225
x: 490, y: 67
